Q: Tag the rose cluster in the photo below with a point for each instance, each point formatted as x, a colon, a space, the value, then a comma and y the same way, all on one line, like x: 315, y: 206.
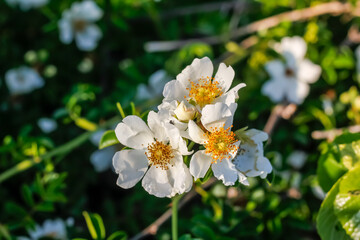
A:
x: 194, y: 122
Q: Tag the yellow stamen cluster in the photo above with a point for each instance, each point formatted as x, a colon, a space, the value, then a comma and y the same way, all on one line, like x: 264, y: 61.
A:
x: 205, y: 91
x: 220, y: 143
x: 159, y: 154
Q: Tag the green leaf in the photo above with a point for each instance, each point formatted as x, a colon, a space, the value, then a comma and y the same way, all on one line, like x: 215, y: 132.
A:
x: 347, y: 203
x: 85, y: 124
x: 327, y: 223
x: 15, y: 209
x: 329, y: 170
x: 108, y: 139
x: 119, y: 235
x: 4, y: 232
x: 27, y: 195
x: 347, y: 138
x: 95, y: 225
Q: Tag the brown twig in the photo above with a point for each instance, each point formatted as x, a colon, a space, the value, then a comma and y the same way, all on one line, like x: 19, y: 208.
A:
x: 331, y: 134
x: 333, y: 8
x: 284, y: 111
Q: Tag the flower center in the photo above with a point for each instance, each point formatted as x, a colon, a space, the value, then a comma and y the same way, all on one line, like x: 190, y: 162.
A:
x: 289, y: 72
x: 79, y: 25
x: 220, y: 144
x: 205, y: 91
x: 159, y: 154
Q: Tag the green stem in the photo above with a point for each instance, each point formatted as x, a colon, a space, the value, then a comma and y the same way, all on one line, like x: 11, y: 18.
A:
x: 174, y: 217
x: 63, y: 149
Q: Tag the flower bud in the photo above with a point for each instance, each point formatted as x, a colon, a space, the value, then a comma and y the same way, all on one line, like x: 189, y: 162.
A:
x: 184, y: 113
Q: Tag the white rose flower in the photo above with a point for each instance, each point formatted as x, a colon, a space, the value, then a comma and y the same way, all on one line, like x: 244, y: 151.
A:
x: 47, y: 125
x: 78, y: 22
x: 26, y: 5
x: 55, y: 229
x: 250, y: 159
x: 23, y: 80
x: 196, y: 85
x: 290, y: 80
x: 357, y: 55
x: 220, y: 144
x: 155, y: 88
x: 156, y: 156
x: 297, y: 159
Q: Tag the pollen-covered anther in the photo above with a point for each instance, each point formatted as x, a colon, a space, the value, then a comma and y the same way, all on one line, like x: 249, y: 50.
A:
x: 204, y: 91
x: 159, y: 154
x: 220, y: 144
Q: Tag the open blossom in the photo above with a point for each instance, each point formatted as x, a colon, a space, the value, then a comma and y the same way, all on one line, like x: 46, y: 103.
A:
x: 25, y: 5
x: 157, y: 81
x: 220, y: 144
x: 195, y: 86
x: 54, y: 229
x: 290, y: 80
x: 78, y: 22
x: 23, y: 80
x: 156, y: 156
x: 250, y: 159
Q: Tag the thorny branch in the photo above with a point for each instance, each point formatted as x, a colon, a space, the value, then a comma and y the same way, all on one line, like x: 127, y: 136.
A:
x: 333, y: 8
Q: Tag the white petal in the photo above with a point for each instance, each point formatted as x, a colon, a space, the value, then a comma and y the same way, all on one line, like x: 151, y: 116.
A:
x: 225, y: 171
x: 168, y: 183
x: 199, y: 68
x: 231, y: 95
x: 275, y: 68
x: 298, y: 92
x: 274, y: 89
x: 294, y: 45
x: 264, y: 166
x: 308, y: 72
x: 87, y: 39
x: 225, y: 76
x: 216, y: 115
x: 199, y: 164
x: 176, y: 140
x: 196, y: 134
x: 131, y: 166
x: 86, y: 10
x: 257, y: 135
x: 243, y: 179
x: 174, y: 90
x: 134, y: 133
x: 65, y: 30
x: 157, y: 127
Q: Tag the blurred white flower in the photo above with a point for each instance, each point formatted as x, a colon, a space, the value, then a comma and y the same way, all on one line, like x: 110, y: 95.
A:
x: 250, y: 159
x: 78, y: 22
x: 220, y: 144
x: 55, y: 229
x: 26, y: 5
x: 47, y: 125
x: 297, y: 159
x: 290, y: 80
x: 156, y: 156
x: 101, y: 159
x: 328, y: 106
x: 155, y: 88
x: 23, y: 80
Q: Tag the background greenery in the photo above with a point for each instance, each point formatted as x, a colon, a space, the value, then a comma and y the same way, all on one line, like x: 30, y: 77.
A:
x: 82, y: 89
